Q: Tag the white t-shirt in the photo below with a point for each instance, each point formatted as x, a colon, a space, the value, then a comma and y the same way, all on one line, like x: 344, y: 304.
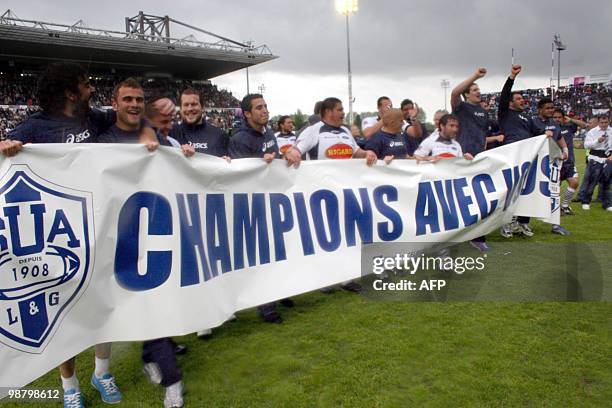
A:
x: 322, y: 141
x: 439, y: 147
x: 369, y: 122
x: 284, y: 141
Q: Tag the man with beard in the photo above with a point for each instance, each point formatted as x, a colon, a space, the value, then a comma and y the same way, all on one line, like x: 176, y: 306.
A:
x: 445, y: 145
x: 568, y: 128
x: 254, y: 139
x: 516, y: 125
x: 195, y: 131
x: 63, y: 92
x: 285, y: 137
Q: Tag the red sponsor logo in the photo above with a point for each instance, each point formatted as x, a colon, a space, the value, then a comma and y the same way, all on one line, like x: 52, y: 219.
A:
x: 339, y: 151
x: 446, y: 155
x: 285, y: 148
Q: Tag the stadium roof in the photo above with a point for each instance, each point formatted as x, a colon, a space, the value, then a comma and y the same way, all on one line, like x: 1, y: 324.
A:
x: 145, y: 47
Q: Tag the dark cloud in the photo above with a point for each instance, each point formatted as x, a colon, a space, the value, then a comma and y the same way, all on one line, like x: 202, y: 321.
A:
x: 388, y: 37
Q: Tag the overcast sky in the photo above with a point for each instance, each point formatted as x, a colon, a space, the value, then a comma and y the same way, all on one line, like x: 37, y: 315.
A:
x: 399, y: 48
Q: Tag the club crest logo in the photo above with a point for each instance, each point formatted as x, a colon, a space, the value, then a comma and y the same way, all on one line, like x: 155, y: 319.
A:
x: 46, y: 237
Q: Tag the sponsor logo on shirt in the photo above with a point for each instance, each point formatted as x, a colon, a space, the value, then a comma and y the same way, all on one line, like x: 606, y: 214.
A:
x: 479, y: 114
x: 339, y: 151
x: 285, y: 148
x: 267, y: 145
x: 446, y: 155
x: 395, y: 143
x: 199, y: 145
x: 79, y: 137
x: 524, y: 118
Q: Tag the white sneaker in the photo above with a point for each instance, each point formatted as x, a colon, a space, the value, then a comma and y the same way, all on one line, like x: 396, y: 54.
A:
x: 586, y: 207
x: 153, y: 373
x: 204, y: 333
x: 174, y: 396
x: 524, y: 229
x: 609, y: 209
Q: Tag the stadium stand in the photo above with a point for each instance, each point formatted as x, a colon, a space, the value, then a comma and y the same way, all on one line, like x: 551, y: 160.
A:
x: 580, y: 101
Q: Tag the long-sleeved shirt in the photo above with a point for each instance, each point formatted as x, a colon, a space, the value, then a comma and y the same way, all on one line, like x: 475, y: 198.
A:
x: 514, y: 125
x: 598, y: 150
x: 248, y: 142
x: 203, y: 137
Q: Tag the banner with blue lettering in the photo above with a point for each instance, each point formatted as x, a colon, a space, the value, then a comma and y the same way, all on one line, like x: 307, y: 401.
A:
x: 102, y: 243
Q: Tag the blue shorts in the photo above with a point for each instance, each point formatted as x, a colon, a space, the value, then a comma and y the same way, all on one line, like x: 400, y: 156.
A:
x: 568, y: 170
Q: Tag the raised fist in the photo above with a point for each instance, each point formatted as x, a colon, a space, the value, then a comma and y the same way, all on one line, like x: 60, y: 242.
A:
x: 516, y: 69
x: 481, y: 72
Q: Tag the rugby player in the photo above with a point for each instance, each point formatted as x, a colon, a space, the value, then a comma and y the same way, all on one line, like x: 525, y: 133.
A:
x: 254, y: 139
x: 329, y: 140
x: 544, y: 122
x: 373, y: 124
x: 412, y: 126
x: 389, y: 142
x: 195, y: 131
x: 445, y: 145
x: 64, y: 92
x: 568, y: 128
x: 516, y: 125
x: 474, y: 129
x: 285, y: 137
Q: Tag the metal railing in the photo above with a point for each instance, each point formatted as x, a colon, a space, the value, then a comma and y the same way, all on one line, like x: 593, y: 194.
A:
x: 224, y: 44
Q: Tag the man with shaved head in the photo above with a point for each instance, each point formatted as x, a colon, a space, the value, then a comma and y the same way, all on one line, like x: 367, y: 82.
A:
x: 389, y: 142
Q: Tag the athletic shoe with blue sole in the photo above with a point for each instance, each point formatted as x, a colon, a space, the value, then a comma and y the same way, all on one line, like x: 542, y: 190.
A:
x: 557, y: 229
x: 107, y: 388
x: 73, y: 399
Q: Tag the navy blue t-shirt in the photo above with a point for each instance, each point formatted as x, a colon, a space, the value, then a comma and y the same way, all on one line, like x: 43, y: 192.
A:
x: 248, y: 142
x: 473, y: 127
x: 388, y: 144
x: 541, y: 126
x: 116, y: 135
x: 204, y: 138
x: 44, y: 127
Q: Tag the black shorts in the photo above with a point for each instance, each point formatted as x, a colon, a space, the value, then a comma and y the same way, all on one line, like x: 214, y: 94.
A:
x: 568, y: 170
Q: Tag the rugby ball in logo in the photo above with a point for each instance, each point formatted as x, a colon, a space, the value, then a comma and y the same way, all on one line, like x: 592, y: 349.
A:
x: 45, y: 256
x: 59, y: 266
x: 339, y: 151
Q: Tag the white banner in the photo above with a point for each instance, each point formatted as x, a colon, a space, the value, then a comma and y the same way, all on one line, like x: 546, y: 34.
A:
x: 103, y: 243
